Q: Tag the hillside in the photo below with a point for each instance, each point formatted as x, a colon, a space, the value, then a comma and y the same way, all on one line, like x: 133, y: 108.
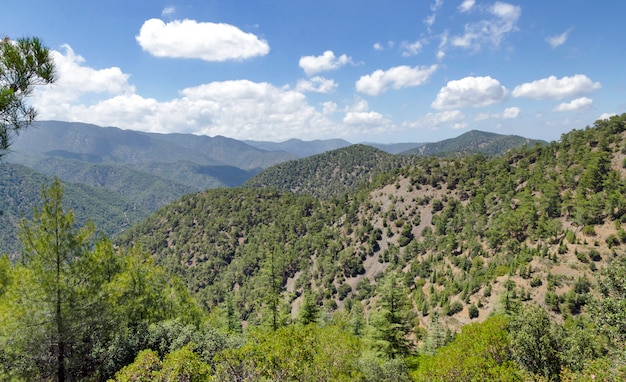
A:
x: 473, y: 142
x: 20, y: 189
x: 474, y: 233
x: 331, y: 174
x: 186, y: 161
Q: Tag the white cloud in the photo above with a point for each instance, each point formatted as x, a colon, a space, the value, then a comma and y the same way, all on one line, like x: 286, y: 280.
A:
x: 466, y: 5
x: 558, y: 40
x: 470, y: 91
x: 411, y: 48
x: 490, y: 31
x: 76, y: 81
x: 329, y: 107
x: 511, y: 112
x: 454, y: 119
x: 240, y: 109
x: 553, y: 88
x: 327, y: 61
x: 316, y: 84
x: 582, y: 103
x: 607, y: 115
x: 378, y: 46
x: 359, y: 117
x: 397, y: 77
x: 508, y: 113
x: 203, y: 40
x: 168, y: 11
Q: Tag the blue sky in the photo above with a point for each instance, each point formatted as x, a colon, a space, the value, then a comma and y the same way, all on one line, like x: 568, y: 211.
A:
x: 362, y: 70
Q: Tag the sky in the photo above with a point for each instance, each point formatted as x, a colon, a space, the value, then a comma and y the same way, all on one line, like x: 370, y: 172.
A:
x: 362, y: 70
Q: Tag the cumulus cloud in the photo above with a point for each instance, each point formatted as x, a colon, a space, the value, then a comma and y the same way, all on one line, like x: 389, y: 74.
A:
x: 470, y: 91
x: 327, y: 61
x: 504, y: 20
x: 466, y: 5
x: 203, y: 40
x: 553, y: 88
x: 316, y: 84
x: 453, y: 118
x: 397, y: 77
x: 75, y: 81
x: 508, y: 113
x: 582, y: 103
x: 359, y: 117
x: 558, y: 40
x: 240, y: 109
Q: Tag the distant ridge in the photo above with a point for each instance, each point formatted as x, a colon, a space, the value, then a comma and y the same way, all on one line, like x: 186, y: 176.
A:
x: 301, y: 148
x: 474, y: 142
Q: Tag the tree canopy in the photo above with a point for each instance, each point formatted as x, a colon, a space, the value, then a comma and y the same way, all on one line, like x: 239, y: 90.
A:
x: 24, y: 64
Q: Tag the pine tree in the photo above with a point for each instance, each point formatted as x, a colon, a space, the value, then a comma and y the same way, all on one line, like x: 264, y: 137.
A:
x: 309, y: 311
x: 393, y: 318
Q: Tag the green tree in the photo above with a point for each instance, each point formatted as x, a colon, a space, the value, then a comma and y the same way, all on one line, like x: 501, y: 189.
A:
x: 75, y: 307
x: 24, y: 63
x: 309, y: 311
x: 536, y: 342
x: 393, y: 318
x: 609, y: 310
x: 53, y: 251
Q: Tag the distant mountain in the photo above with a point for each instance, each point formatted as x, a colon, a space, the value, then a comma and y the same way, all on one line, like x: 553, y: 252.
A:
x: 301, y: 148
x: 20, y: 189
x: 97, y: 144
x: 330, y: 174
x: 474, y: 142
x: 395, y: 148
x: 150, y: 169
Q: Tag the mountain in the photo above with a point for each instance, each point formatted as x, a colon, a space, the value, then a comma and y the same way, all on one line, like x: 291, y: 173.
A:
x: 331, y: 174
x: 395, y: 148
x: 473, y: 142
x: 151, y: 169
x: 20, y: 189
x: 301, y: 148
x: 466, y: 236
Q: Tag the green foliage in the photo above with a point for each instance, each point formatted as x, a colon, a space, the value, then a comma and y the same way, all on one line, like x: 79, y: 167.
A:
x: 24, y: 64
x: 536, y: 342
x: 302, y: 353
x: 481, y: 352
x: 88, y: 301
x: 180, y: 365
x: 392, y: 319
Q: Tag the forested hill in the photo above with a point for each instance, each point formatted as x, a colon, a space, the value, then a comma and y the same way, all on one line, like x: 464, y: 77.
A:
x: 331, y: 174
x: 474, y: 142
x: 20, y: 189
x: 465, y: 236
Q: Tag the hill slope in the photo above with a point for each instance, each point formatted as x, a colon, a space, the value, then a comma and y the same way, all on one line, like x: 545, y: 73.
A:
x: 20, y: 189
x: 331, y: 174
x: 473, y: 142
x: 535, y: 224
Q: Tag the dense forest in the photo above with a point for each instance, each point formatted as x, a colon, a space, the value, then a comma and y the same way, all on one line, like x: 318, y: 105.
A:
x: 424, y: 268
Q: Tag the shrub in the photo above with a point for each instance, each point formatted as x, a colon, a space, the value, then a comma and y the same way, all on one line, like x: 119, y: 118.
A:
x: 455, y: 308
x: 473, y: 311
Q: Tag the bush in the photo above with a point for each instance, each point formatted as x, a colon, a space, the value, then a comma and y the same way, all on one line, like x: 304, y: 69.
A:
x: 589, y: 230
x: 473, y: 311
x: 455, y: 308
x: 594, y: 255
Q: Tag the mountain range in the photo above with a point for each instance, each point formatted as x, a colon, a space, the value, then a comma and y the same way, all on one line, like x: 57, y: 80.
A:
x: 145, y: 171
